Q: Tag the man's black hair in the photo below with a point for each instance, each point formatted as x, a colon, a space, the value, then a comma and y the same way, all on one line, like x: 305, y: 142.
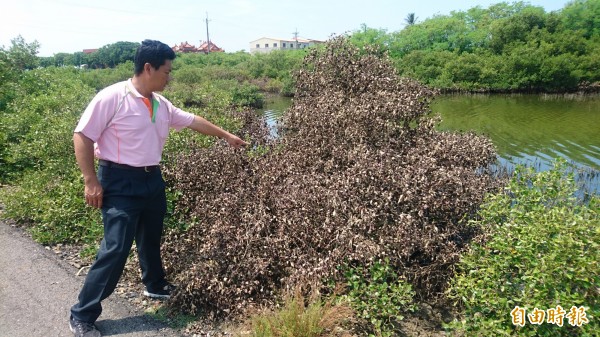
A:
x: 153, y: 52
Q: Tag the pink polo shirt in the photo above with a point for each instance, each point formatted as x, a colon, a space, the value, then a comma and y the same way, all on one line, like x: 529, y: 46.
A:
x: 123, y: 129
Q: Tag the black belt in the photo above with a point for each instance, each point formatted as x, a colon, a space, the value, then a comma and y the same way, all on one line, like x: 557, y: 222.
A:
x: 107, y: 163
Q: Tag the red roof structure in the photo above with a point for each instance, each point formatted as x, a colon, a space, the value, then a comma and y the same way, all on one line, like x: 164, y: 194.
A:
x: 185, y: 47
x: 205, y: 47
x: 209, y: 47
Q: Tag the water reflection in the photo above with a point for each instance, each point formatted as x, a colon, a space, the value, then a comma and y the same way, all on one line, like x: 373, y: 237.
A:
x: 274, y: 107
x: 532, y: 130
x: 528, y: 127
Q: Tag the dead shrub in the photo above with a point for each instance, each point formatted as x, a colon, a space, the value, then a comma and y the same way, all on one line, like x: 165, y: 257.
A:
x: 358, y: 174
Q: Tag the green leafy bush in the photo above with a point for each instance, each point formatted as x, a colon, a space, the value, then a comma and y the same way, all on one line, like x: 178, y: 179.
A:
x: 541, y: 250
x: 45, y: 191
x: 379, y: 295
x: 101, y: 78
x: 52, y: 207
x: 36, y: 129
x: 247, y: 95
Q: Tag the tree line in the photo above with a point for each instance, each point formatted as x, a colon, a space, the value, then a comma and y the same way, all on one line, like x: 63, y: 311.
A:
x: 106, y: 57
x: 507, y: 47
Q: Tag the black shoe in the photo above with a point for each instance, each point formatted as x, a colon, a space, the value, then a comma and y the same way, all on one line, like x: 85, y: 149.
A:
x: 163, y: 293
x: 83, y: 329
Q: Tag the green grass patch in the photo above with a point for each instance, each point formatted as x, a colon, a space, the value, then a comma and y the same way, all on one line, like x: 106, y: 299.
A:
x: 163, y: 314
x: 296, y: 318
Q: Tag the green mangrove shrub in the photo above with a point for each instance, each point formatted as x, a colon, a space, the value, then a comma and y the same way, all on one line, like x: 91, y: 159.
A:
x: 378, y: 295
x: 536, y: 272
x: 45, y: 186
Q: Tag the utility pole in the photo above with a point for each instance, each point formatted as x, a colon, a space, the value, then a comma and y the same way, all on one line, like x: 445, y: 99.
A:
x: 207, y: 37
x: 296, y: 37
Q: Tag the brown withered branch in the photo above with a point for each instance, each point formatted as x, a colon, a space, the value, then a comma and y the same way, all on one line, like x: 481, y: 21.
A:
x: 358, y: 173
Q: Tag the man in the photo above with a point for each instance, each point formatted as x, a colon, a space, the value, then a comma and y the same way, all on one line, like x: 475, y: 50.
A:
x: 125, y: 126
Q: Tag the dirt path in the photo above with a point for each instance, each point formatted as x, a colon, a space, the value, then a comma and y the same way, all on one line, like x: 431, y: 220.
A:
x: 37, y: 289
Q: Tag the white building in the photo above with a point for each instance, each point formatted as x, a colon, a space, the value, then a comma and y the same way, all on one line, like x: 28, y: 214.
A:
x: 268, y: 44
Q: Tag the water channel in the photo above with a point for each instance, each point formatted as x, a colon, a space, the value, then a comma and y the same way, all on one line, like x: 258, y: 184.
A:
x: 531, y: 130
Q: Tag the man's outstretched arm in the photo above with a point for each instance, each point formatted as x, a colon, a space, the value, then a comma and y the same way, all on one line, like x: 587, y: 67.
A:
x: 207, y: 128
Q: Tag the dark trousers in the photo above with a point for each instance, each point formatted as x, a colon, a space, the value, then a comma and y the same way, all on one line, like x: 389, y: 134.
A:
x: 133, y: 208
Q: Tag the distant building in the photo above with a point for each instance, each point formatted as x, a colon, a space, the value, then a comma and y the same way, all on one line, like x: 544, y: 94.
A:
x: 184, y: 47
x: 89, y: 51
x: 268, y: 44
x: 209, y: 47
x: 205, y: 47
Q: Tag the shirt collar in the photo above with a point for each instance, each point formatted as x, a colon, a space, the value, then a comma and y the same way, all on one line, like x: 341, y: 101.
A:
x: 136, y: 93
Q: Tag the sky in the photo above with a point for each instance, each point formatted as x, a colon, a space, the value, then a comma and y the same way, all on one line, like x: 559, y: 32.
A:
x: 68, y: 26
